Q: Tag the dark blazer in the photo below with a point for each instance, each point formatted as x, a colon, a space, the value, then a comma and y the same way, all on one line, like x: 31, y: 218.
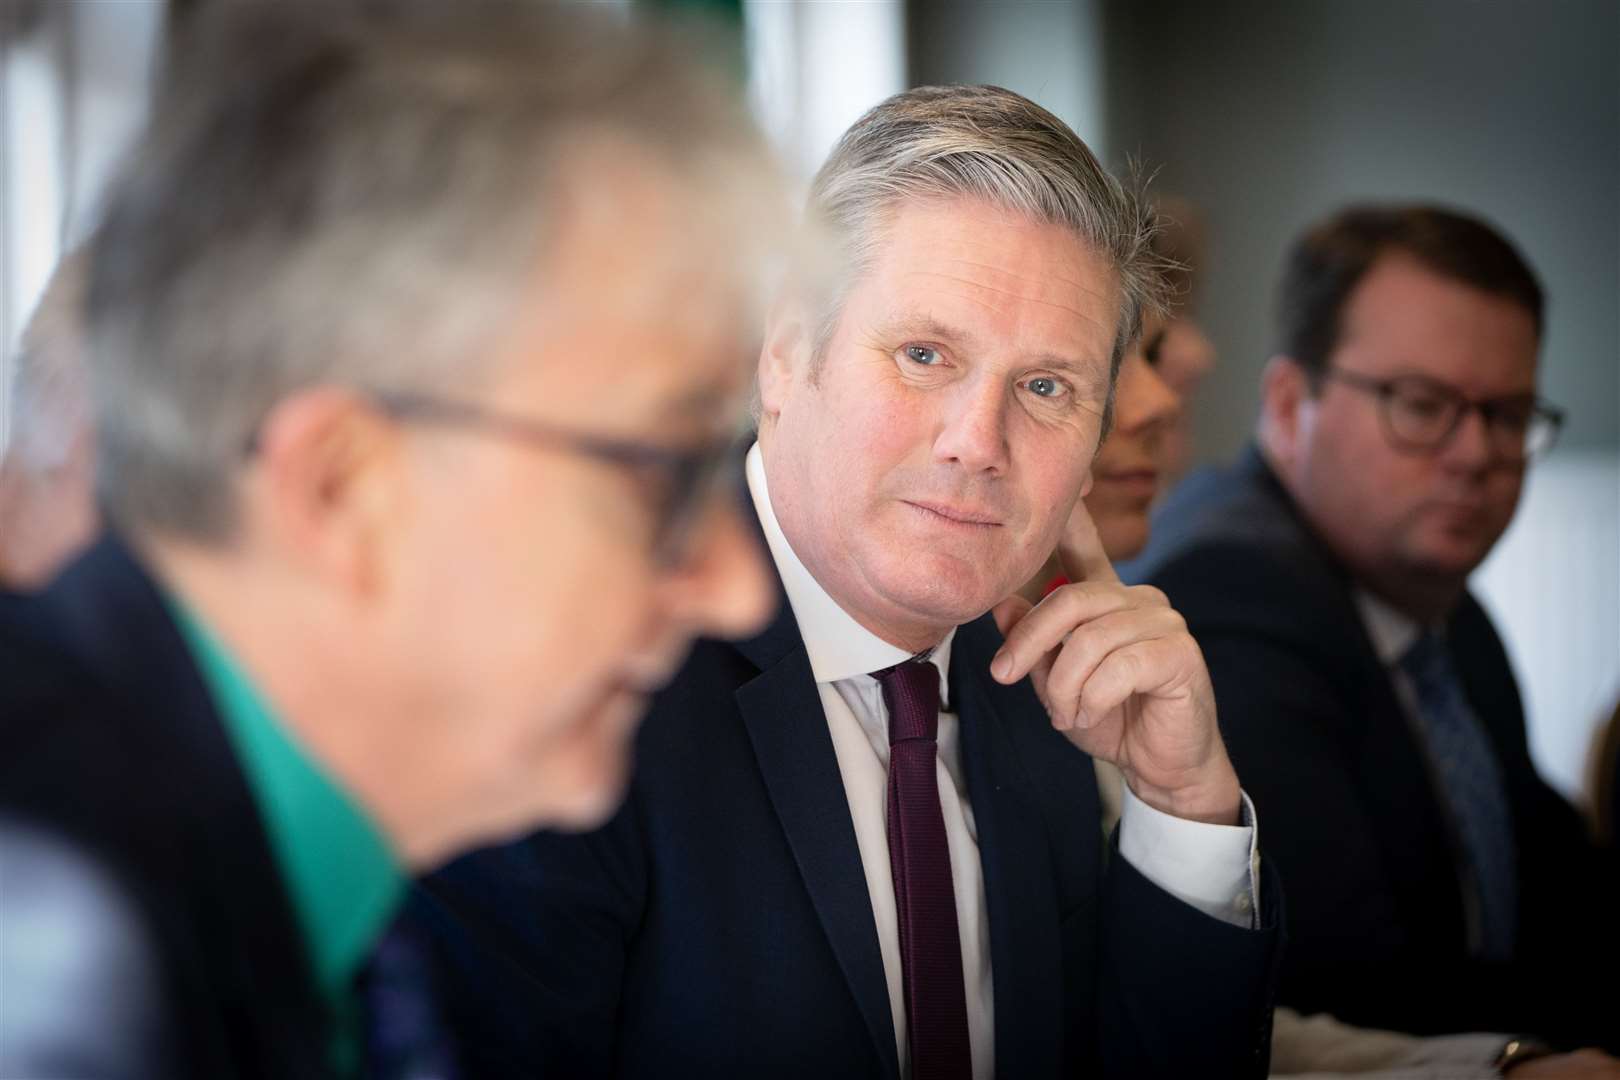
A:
x: 720, y: 924
x: 110, y: 746
x: 1376, y: 918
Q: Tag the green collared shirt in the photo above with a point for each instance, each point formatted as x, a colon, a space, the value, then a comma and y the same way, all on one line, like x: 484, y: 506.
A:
x: 344, y: 882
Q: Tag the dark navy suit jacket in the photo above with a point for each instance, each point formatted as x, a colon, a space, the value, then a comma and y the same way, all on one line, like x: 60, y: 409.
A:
x: 111, y: 749
x: 720, y: 924
x: 1376, y: 915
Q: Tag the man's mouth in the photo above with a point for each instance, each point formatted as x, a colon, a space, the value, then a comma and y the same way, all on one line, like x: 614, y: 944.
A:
x: 957, y: 515
x: 1142, y: 480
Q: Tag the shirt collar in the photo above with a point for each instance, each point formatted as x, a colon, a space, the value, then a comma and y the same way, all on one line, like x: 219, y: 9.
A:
x: 839, y: 647
x: 341, y: 876
x: 1392, y: 630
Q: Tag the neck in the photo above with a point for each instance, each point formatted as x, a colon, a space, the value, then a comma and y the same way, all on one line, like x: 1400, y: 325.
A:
x: 289, y: 640
x: 1423, y: 595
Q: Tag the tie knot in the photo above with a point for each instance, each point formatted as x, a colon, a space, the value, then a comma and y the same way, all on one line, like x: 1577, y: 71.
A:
x: 1428, y: 660
x: 911, y: 692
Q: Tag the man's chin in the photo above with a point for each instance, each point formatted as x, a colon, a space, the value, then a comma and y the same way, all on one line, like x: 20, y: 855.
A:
x: 946, y: 600
x: 1455, y: 552
x: 578, y: 778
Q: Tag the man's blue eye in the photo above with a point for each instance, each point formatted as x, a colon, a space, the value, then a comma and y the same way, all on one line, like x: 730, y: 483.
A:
x: 1044, y: 387
x: 921, y: 354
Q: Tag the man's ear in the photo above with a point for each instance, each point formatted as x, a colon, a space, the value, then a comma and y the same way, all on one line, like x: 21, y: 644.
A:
x: 786, y: 354
x: 328, y: 482
x: 1286, y: 403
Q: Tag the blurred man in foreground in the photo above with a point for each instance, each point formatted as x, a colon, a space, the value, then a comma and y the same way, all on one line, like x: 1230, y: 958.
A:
x: 47, y: 505
x: 1434, y: 881
x: 416, y: 358
x: 865, y: 843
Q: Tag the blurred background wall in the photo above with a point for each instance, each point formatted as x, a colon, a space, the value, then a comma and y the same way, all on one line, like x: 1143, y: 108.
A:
x: 74, y: 80
x: 1267, y: 114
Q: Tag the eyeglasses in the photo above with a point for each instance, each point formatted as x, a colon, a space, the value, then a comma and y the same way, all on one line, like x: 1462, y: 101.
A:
x: 684, y: 481
x: 1420, y: 415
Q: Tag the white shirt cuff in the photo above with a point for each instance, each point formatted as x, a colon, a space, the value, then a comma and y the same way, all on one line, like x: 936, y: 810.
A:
x: 1215, y: 868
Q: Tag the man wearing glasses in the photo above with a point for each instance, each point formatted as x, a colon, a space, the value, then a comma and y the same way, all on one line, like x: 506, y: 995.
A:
x: 418, y: 341
x: 1434, y: 882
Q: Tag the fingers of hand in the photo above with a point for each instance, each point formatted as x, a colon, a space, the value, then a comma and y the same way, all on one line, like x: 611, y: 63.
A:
x: 1108, y: 660
x: 1080, y: 550
x: 1045, y: 628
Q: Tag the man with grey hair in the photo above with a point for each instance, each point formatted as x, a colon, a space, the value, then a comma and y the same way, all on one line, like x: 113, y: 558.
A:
x: 47, y: 508
x: 865, y: 843
x: 415, y: 353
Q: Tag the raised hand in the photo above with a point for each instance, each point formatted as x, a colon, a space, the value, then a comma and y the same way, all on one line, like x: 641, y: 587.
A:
x: 1120, y: 676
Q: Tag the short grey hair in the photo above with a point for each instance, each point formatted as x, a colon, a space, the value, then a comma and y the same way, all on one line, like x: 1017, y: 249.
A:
x: 359, y: 195
x: 49, y: 395
x: 988, y: 143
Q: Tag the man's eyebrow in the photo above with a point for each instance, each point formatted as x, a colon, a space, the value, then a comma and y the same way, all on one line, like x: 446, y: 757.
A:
x: 915, y: 324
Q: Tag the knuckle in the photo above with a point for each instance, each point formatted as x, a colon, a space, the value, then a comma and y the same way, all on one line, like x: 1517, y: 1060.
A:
x: 1150, y: 596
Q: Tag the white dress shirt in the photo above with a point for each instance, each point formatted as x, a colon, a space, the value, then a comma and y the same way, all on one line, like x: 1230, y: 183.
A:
x: 1211, y: 867
x: 1393, y: 633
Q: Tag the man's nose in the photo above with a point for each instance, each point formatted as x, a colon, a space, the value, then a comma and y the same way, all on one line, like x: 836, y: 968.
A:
x: 1471, y: 445
x: 1143, y: 398
x: 973, y: 433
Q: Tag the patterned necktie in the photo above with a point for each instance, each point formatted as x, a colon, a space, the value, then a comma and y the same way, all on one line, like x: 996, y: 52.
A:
x: 405, y: 1036
x: 920, y: 860
x: 1473, y: 789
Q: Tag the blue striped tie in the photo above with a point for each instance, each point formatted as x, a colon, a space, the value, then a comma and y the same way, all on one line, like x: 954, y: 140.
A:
x: 406, y: 1038
x: 1472, y: 788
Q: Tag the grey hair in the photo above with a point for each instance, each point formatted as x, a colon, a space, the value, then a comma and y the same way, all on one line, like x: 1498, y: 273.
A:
x: 49, y: 395
x: 361, y: 195
x: 988, y: 143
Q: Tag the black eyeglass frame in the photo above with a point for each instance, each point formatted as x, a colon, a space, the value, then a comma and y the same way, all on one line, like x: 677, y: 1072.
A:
x: 1386, y: 390
x: 691, y: 475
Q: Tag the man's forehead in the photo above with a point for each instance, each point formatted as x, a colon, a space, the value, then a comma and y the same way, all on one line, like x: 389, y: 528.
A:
x: 1405, y: 316
x: 982, y: 277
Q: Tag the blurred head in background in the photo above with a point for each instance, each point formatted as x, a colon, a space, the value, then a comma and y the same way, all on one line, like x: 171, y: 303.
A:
x: 418, y: 342
x: 1401, y: 409
x: 1129, y: 472
x: 1184, y: 354
x: 47, y: 505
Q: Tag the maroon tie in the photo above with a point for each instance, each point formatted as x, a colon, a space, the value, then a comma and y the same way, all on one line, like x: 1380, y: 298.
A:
x: 920, y: 860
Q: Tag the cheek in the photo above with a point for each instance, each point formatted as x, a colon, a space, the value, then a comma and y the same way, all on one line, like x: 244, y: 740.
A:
x: 864, y: 431
x: 1052, y: 475
x: 532, y: 598
x: 1505, y: 487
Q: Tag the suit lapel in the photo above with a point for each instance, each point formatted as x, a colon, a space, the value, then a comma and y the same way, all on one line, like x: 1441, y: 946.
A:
x: 781, y: 709
x: 116, y: 619
x: 1025, y: 940
x: 1398, y: 791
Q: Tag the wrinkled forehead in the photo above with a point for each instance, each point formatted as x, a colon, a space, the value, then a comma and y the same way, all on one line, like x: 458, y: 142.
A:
x: 1008, y: 280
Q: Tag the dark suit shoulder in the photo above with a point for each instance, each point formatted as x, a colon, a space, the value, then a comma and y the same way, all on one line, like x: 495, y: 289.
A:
x: 1235, y: 559
x: 110, y: 745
